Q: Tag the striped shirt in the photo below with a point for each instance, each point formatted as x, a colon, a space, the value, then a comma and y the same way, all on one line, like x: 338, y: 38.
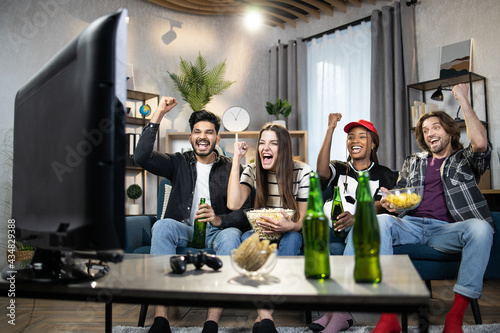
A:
x: 300, y: 183
x: 460, y: 174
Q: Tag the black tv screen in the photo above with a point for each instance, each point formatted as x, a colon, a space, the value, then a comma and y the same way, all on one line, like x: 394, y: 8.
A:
x: 69, y: 148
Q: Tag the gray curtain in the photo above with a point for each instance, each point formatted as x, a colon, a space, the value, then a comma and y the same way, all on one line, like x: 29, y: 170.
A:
x: 393, y: 67
x: 288, y: 80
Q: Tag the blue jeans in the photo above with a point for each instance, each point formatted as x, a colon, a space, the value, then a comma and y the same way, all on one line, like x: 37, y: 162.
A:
x: 289, y: 244
x: 169, y: 234
x: 472, y: 237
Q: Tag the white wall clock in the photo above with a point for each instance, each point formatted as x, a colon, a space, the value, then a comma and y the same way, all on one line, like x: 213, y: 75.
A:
x: 236, y: 119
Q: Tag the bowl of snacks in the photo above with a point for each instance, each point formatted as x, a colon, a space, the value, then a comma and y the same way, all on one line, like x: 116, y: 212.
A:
x: 254, y: 216
x: 254, y: 257
x: 403, y: 199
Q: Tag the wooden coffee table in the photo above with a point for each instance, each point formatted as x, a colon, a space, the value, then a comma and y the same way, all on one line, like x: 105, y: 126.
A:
x: 148, y: 279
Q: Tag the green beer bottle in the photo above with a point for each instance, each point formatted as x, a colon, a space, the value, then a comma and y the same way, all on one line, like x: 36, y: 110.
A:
x: 200, y: 231
x: 337, y: 209
x: 315, y: 231
x: 366, y: 235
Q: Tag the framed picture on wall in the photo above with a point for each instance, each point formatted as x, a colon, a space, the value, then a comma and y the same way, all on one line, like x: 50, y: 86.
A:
x: 456, y: 59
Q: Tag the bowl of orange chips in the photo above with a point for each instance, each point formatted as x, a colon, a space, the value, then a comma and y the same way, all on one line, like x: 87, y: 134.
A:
x: 403, y: 199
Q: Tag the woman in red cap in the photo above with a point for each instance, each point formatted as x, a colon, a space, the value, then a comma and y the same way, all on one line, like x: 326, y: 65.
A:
x: 362, y: 144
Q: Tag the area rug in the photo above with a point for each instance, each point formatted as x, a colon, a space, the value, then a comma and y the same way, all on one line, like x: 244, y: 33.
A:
x: 493, y: 328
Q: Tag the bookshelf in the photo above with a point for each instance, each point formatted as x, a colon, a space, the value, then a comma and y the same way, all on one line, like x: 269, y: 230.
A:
x: 301, y: 136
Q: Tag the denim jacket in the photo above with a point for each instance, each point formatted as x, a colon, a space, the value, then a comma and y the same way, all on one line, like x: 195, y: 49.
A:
x: 180, y: 169
x: 460, y: 174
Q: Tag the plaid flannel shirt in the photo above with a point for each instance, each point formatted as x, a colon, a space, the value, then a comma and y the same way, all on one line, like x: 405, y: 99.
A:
x: 460, y: 174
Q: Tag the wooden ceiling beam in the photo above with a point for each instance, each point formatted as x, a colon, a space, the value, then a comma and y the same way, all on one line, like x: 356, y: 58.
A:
x: 290, y: 21
x: 233, y: 11
x: 170, y: 5
x: 274, y: 5
x: 339, y: 4
x: 274, y: 22
x: 307, y: 9
x: 216, y: 9
x: 321, y: 6
x: 356, y: 3
x: 293, y: 8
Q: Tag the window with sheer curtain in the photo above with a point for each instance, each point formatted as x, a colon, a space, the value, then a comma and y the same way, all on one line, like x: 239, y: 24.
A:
x: 338, y: 81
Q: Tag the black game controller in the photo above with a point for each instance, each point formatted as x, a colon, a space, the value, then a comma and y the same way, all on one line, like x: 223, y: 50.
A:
x: 178, y: 263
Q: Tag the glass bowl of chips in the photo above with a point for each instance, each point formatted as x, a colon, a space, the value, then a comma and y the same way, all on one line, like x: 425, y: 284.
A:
x: 403, y: 199
x: 254, y: 216
x: 254, y: 257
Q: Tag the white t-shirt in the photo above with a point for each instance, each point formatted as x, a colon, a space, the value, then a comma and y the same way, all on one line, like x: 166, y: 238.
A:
x: 201, y: 188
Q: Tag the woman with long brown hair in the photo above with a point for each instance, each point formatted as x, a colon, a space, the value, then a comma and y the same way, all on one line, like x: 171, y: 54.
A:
x: 279, y: 182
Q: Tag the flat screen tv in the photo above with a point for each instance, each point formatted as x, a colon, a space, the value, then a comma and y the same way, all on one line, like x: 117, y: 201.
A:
x: 69, y: 156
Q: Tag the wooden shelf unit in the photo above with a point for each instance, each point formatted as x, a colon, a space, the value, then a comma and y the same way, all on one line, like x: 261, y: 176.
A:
x: 136, y: 121
x: 300, y: 135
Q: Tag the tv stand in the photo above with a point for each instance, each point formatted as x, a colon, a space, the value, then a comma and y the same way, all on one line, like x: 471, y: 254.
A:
x: 50, y: 266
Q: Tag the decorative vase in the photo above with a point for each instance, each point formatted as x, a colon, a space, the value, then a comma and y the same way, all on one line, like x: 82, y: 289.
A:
x: 280, y: 122
x: 133, y: 209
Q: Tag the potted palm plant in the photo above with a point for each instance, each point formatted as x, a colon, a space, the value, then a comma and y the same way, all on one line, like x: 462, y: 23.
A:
x: 134, y: 192
x: 282, y: 108
x: 198, y: 84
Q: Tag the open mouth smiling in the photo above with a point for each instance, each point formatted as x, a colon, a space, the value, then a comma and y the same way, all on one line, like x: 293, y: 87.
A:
x: 203, y: 144
x: 267, y: 159
x: 356, y: 149
x: 433, y: 142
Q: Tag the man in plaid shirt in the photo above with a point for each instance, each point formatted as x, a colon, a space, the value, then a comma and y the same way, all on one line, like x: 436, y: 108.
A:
x: 453, y: 215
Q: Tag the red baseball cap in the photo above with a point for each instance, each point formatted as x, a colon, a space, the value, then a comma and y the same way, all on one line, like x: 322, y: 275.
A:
x: 363, y: 123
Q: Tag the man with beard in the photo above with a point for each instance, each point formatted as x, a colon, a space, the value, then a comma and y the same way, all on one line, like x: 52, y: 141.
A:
x: 453, y: 215
x: 200, y: 173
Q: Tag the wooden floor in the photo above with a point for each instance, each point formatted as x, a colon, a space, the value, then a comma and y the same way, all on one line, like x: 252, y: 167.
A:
x: 69, y: 316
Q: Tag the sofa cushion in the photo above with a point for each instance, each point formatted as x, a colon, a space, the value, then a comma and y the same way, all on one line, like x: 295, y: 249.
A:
x: 163, y: 196
x: 143, y: 250
x: 424, y: 252
x: 493, y: 269
x: 180, y: 250
x: 193, y: 250
x: 138, y: 232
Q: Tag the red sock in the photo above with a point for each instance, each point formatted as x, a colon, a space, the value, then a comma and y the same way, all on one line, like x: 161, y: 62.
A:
x: 388, y: 323
x: 455, y: 318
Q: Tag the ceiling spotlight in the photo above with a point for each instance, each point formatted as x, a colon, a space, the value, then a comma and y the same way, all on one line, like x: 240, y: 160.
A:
x: 253, y: 18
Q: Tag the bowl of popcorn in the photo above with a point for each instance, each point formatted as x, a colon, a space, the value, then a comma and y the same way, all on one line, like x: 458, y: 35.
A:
x: 403, y: 199
x: 254, y: 216
x: 254, y: 257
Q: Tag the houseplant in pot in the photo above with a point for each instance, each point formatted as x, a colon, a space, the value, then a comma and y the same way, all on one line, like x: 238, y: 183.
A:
x: 22, y: 252
x: 282, y: 108
x: 198, y: 84
x: 134, y: 192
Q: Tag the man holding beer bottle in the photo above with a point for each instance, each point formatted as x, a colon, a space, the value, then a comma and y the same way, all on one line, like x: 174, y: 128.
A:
x: 453, y: 215
x: 196, y: 174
